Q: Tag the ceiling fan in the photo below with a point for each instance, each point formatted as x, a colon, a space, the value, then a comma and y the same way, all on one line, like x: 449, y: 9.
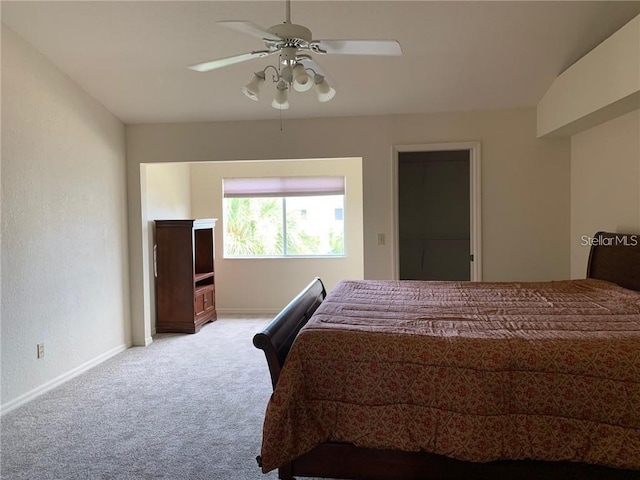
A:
x: 294, y: 44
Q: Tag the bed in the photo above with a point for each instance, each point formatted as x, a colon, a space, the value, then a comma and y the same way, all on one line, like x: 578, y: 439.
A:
x: 419, y: 380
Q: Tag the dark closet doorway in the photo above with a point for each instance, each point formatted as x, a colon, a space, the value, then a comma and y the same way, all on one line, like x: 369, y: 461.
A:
x: 434, y: 215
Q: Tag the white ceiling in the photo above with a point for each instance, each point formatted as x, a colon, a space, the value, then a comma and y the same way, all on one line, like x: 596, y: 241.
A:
x: 458, y: 56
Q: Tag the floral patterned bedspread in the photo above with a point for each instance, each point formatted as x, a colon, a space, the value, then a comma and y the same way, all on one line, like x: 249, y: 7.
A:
x: 474, y: 371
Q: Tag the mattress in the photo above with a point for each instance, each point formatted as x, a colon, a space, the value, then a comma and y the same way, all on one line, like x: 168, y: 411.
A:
x: 474, y: 371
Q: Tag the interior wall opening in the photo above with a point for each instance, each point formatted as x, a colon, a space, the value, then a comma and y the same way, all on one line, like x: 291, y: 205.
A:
x: 185, y: 190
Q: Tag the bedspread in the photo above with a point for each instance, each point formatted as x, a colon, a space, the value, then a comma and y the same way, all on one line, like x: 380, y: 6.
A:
x: 474, y: 371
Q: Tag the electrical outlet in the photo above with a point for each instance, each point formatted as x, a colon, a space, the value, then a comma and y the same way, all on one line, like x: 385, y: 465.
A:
x: 40, y: 347
x: 381, y: 239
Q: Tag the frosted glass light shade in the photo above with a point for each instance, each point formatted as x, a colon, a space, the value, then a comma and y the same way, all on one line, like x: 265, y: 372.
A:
x: 287, y: 74
x: 281, y: 100
x: 324, y: 91
x: 301, y: 80
x: 252, y: 89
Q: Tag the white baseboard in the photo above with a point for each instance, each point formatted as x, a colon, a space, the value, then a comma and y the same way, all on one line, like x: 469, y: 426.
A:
x: 51, y: 384
x: 147, y: 341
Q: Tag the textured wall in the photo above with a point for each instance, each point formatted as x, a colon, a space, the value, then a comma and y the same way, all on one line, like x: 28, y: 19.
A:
x: 166, y: 195
x: 234, y: 276
x: 64, y: 236
x: 525, y: 180
x: 601, y: 86
x: 605, y: 184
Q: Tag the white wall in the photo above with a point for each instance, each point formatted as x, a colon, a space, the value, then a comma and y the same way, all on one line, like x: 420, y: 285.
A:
x: 64, y: 235
x: 599, y: 87
x: 605, y: 183
x: 267, y: 285
x: 167, y: 191
x: 165, y: 194
x: 525, y: 193
x: 597, y: 100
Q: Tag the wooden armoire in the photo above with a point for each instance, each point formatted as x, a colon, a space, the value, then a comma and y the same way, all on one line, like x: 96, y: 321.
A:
x: 185, y: 274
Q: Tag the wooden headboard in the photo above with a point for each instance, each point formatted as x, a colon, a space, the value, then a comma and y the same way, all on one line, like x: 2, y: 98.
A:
x: 276, y: 338
x: 615, y: 257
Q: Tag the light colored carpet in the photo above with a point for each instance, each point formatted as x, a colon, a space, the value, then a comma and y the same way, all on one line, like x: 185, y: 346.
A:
x: 186, y: 407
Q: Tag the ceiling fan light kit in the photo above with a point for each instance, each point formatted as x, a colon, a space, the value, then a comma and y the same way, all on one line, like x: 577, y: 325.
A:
x: 323, y: 89
x: 252, y: 89
x: 296, y: 70
x: 301, y: 80
x: 281, y: 100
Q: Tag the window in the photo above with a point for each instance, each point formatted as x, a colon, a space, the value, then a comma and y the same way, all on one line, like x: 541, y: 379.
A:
x: 283, y: 216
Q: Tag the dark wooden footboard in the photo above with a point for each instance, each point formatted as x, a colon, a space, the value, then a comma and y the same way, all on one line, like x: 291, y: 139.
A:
x: 346, y: 461
x: 276, y: 338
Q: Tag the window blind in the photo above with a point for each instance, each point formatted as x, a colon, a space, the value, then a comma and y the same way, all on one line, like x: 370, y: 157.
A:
x: 283, y: 186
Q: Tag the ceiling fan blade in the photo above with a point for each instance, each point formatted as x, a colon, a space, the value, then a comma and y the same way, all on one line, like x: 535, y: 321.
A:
x: 358, y: 47
x: 250, y: 28
x: 225, y: 62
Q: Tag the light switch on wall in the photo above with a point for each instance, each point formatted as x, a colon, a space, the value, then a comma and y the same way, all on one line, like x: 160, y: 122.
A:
x: 381, y: 240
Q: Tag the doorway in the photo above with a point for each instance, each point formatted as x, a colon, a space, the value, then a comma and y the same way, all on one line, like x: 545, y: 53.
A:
x: 437, y: 224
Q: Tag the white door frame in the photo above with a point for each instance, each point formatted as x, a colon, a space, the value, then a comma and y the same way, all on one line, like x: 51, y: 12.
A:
x: 475, y: 211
